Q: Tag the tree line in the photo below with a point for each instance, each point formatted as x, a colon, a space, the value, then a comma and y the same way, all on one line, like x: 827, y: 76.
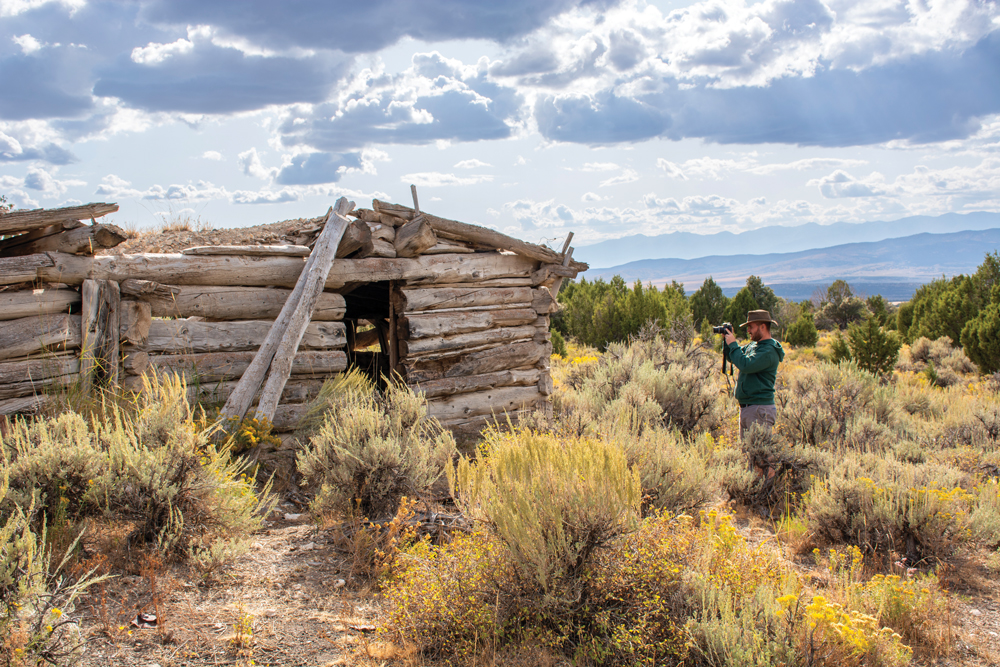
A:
x: 964, y: 308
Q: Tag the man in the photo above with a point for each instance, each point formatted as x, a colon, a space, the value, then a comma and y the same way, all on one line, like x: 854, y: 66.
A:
x: 757, y: 362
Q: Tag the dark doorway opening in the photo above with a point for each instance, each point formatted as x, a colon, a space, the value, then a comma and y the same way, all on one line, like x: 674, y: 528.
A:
x: 371, y: 335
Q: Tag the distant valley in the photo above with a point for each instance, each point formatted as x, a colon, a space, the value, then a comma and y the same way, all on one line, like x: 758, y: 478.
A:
x: 893, y: 267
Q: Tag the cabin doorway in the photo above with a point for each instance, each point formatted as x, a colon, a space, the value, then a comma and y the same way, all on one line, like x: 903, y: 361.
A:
x: 370, y: 321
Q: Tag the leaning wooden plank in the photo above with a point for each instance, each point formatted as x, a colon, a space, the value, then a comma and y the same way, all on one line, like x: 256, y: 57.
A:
x: 213, y: 366
x: 489, y: 402
x: 191, y: 336
x: 435, y: 298
x: 239, y: 303
x: 176, y: 269
x: 24, y: 405
x: 281, y: 367
x: 19, y: 221
x: 497, y: 358
x: 469, y: 383
x: 461, y: 231
x: 35, y: 369
x: 84, y: 240
x: 25, y: 303
x: 432, y: 323
x: 29, y: 335
x: 410, y: 348
x: 251, y: 250
x: 15, y: 270
x: 36, y: 386
x: 239, y: 402
x: 100, y: 349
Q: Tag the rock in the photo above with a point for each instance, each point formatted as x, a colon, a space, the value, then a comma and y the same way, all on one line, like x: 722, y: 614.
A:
x: 339, y: 583
x: 270, y: 613
x: 308, y: 546
x: 975, y: 612
x: 293, y: 517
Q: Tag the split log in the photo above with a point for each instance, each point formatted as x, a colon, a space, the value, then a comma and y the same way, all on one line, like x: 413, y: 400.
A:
x: 288, y: 416
x: 382, y: 248
x: 83, y: 240
x: 470, y: 383
x: 136, y: 318
x: 414, y: 238
x: 316, y: 274
x: 15, y: 270
x: 190, y: 336
x: 542, y: 301
x: 497, y: 358
x: 25, y: 405
x: 240, y: 303
x: 461, y: 231
x: 443, y: 247
x: 147, y: 289
x: 491, y: 282
x: 545, y: 384
x: 431, y: 324
x: 252, y: 250
x: 496, y: 401
x: 382, y: 232
x: 37, y: 386
x: 391, y: 220
x: 215, y: 366
x: 398, y: 211
x: 136, y: 362
x: 357, y: 237
x: 176, y: 269
x: 9, y: 245
x: 42, y: 332
x: 366, y: 215
x: 412, y: 348
x: 552, y: 271
x: 30, y: 370
x: 25, y: 303
x: 19, y: 221
x: 410, y: 300
x: 101, y: 327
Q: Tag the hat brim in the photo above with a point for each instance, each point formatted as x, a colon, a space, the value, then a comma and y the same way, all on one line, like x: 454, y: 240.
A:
x: 749, y: 321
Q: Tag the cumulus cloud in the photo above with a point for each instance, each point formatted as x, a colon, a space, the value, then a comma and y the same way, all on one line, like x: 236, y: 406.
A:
x: 591, y: 197
x: 435, y: 179
x: 211, y: 155
x: 44, y: 182
x: 198, y: 75
x: 436, y: 99
x: 599, y: 166
x: 471, y: 164
x: 627, y: 176
x: 115, y: 187
x: 716, y: 168
x: 841, y: 184
x: 312, y: 168
x: 250, y: 164
x: 264, y: 196
x: 373, y: 25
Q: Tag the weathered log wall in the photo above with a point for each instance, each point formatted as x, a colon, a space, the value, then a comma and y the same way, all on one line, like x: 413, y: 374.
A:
x: 467, y: 326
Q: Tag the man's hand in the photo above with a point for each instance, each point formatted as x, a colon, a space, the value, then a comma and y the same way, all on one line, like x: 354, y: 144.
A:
x: 730, y: 338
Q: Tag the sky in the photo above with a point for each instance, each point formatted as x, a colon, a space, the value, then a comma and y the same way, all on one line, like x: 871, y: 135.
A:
x: 535, y: 117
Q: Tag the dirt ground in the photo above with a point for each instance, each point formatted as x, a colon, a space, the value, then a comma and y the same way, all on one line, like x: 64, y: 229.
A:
x: 295, y: 592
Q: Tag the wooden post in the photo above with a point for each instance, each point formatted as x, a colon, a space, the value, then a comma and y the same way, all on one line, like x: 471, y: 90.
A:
x: 416, y: 205
x: 567, y: 255
x: 239, y: 401
x: 393, y: 328
x: 324, y: 253
x: 100, y: 327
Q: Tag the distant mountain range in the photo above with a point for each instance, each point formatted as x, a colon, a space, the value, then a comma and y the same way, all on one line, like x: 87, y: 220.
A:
x: 686, y: 245
x: 905, y: 262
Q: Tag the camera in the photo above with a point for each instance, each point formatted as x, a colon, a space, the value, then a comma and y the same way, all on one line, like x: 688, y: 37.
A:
x: 723, y: 328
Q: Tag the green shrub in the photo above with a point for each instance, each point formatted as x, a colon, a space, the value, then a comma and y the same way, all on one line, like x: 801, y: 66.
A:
x: 552, y: 503
x: 872, y: 347
x: 767, y: 474
x: 373, y: 449
x: 558, y: 344
x: 802, y: 332
x: 52, y: 465
x: 981, y: 338
x: 891, y: 509
x: 818, y: 406
x: 648, y: 383
x: 38, y: 623
x: 673, y: 471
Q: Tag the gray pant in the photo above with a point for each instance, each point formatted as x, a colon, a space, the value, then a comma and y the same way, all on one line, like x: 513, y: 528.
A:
x: 757, y: 414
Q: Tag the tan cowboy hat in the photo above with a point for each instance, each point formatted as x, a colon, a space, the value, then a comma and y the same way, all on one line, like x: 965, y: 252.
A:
x: 758, y: 316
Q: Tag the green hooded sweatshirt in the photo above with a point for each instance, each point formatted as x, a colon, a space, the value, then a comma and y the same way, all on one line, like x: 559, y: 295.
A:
x: 758, y: 366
